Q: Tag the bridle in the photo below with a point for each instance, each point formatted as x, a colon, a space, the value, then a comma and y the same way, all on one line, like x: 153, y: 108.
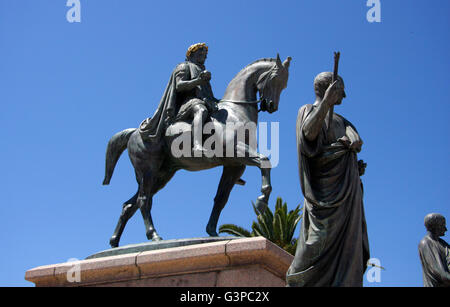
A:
x: 264, y: 81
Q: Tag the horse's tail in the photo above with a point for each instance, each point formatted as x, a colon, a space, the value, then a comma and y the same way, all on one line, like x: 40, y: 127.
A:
x: 116, y: 146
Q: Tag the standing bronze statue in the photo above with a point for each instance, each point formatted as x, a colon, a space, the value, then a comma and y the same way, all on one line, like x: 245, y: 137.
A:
x: 333, y: 247
x: 434, y: 253
x: 188, y: 98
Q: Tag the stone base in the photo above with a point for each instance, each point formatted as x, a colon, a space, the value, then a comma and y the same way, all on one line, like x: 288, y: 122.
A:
x: 157, y: 245
x: 249, y: 262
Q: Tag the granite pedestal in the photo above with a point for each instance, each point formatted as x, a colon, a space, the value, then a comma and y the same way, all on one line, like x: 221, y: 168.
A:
x: 224, y: 262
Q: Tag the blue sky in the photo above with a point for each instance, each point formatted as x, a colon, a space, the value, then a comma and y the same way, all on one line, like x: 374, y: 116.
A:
x: 66, y: 88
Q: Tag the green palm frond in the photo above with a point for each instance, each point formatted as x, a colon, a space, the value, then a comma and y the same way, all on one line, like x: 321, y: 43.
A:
x: 234, y: 230
x: 268, y: 220
x: 257, y: 231
x: 293, y: 219
x: 277, y: 226
x: 282, y: 225
x: 278, y: 204
x: 263, y: 224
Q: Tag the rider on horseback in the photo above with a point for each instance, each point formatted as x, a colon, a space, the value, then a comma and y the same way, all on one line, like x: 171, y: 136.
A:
x: 195, y: 96
x: 188, y: 96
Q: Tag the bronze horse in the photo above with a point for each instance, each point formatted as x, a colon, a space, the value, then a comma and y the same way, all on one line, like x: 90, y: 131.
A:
x: 155, y: 164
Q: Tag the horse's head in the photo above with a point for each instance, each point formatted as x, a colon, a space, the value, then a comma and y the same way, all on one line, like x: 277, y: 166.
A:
x: 271, y: 83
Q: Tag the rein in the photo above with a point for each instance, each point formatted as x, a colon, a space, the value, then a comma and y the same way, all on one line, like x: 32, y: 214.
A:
x: 266, y: 79
x: 243, y: 102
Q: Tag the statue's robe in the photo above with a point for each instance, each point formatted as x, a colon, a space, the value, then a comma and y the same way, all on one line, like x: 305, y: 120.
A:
x: 333, y: 246
x: 171, y: 101
x: 435, y: 257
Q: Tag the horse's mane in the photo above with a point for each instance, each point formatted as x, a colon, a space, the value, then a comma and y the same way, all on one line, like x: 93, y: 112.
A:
x: 244, y: 70
x: 260, y: 60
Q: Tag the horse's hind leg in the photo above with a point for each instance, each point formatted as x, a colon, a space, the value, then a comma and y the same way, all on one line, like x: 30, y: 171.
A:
x: 145, y: 201
x: 128, y: 210
x: 229, y: 177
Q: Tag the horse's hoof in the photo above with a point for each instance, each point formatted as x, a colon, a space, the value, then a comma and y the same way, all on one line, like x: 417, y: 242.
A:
x: 213, y: 233
x: 157, y: 238
x: 261, y: 205
x: 114, y: 242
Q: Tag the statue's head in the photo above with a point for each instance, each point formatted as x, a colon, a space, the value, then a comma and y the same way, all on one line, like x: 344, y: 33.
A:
x: 272, y: 83
x: 435, y: 224
x: 323, y: 81
x: 197, y: 53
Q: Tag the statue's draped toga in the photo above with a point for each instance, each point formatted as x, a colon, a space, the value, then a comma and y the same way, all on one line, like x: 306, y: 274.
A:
x: 333, y: 247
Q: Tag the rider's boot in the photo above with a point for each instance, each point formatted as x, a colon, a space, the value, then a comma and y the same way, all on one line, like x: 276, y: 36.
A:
x: 198, y: 150
x: 197, y: 126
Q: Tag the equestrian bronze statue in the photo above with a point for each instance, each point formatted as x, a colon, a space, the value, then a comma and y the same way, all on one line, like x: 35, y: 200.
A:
x: 188, y: 104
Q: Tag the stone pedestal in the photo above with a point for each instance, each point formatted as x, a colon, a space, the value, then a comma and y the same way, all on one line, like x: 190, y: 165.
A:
x: 249, y: 262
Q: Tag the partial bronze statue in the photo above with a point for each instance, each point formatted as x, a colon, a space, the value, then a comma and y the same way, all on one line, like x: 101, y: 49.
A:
x: 434, y: 253
x: 187, y: 104
x: 333, y: 246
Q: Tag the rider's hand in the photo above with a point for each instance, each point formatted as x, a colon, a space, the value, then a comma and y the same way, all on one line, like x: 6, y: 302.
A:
x: 205, y: 75
x: 169, y: 118
x: 211, y: 105
x: 170, y: 113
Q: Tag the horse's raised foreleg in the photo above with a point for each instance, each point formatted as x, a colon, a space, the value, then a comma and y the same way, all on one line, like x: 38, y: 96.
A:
x: 266, y: 188
x: 253, y: 158
x: 128, y: 210
x: 229, y: 177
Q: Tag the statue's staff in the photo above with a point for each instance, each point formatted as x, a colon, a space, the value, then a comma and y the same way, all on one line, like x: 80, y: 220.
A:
x: 375, y: 266
x: 337, y: 56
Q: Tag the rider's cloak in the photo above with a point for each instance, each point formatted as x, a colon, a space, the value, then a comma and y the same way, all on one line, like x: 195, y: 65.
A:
x: 153, y: 128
